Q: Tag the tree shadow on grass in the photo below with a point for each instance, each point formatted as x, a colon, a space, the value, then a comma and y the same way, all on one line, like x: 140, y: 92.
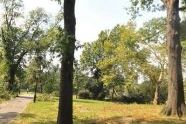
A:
x: 116, y: 120
x: 27, y: 115
x: 172, y: 121
x: 9, y: 116
x: 130, y: 120
x: 46, y: 122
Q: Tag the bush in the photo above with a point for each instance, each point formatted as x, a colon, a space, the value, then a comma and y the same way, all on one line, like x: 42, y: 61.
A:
x: 97, y: 90
x: 45, y: 97
x: 140, y: 99
x: 84, y: 94
x: 5, y: 95
x: 102, y: 95
x: 48, y: 87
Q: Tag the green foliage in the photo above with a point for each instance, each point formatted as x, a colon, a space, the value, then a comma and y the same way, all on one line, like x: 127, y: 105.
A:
x: 49, y: 87
x: 80, y: 79
x: 19, y: 39
x: 4, y: 94
x: 120, y: 56
x: 84, y: 94
x: 33, y: 72
x: 145, y: 5
x: 146, y: 89
x: 51, y: 80
x: 183, y: 39
x: 96, y: 89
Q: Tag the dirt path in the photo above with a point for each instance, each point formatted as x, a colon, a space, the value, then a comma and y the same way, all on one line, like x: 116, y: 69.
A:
x: 9, y: 110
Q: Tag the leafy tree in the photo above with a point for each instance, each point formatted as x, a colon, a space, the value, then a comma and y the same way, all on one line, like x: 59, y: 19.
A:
x: 153, y: 41
x: 175, y: 102
x: 51, y: 80
x: 80, y: 79
x: 115, y: 64
x: 15, y: 37
x: 34, y: 74
x: 35, y: 71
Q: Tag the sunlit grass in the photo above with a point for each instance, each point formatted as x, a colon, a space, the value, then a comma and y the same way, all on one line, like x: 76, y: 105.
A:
x: 97, y: 112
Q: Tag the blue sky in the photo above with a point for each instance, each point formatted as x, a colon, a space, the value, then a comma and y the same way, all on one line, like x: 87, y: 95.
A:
x: 93, y: 16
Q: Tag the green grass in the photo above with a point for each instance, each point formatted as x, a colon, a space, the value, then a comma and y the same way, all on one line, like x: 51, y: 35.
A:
x: 97, y: 112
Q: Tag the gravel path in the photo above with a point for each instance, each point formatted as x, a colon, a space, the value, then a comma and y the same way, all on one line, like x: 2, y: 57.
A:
x: 10, y: 109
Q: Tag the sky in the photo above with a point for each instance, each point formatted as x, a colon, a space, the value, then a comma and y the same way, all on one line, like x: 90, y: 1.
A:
x: 92, y: 16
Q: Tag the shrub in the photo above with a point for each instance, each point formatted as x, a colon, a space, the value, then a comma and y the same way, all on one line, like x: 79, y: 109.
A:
x: 102, y: 95
x: 84, y: 94
x: 48, y: 87
x: 137, y: 98
x: 5, y: 95
x: 45, y: 97
x: 97, y: 90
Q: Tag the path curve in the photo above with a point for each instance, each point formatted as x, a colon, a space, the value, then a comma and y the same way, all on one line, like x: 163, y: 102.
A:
x: 10, y: 109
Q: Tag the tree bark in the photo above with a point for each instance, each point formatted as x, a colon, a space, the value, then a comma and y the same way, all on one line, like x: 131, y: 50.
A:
x: 11, y: 78
x: 65, y: 113
x: 41, y: 88
x: 35, y: 92
x: 112, y: 96
x: 175, y: 102
x: 156, y: 100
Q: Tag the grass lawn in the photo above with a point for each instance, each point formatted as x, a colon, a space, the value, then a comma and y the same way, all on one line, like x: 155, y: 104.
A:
x: 97, y: 112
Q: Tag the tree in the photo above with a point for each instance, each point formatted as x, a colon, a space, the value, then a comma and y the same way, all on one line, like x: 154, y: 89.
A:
x: 183, y: 41
x: 34, y: 74
x: 175, y: 103
x: 107, y: 56
x: 16, y: 38
x: 153, y: 40
x: 51, y: 79
x: 68, y: 46
x: 80, y: 79
x: 118, y: 68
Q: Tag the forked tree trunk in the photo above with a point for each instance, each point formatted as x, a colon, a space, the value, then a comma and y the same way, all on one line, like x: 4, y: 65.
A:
x: 156, y: 100
x: 65, y: 114
x: 175, y: 102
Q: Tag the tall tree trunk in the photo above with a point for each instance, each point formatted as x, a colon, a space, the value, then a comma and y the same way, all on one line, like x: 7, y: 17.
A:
x: 65, y: 113
x: 77, y: 89
x: 11, y: 78
x: 112, y: 96
x: 175, y: 102
x: 35, y: 92
x: 41, y: 88
x: 156, y: 100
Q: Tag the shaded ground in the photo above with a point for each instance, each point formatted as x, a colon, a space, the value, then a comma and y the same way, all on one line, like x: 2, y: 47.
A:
x: 10, y: 109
